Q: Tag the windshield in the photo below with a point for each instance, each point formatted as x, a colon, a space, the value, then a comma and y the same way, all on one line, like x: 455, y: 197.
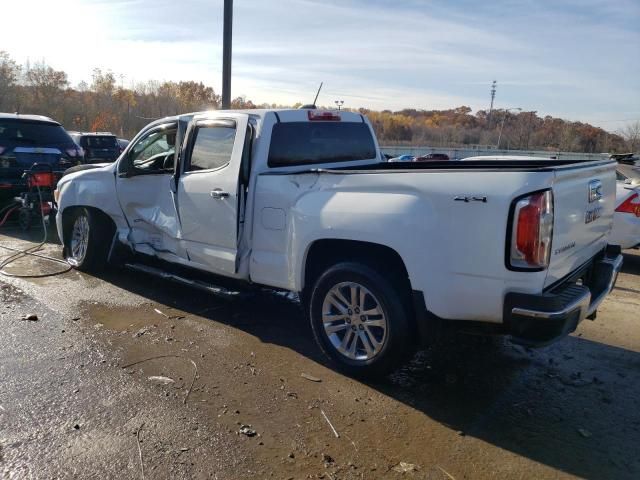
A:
x: 28, y: 133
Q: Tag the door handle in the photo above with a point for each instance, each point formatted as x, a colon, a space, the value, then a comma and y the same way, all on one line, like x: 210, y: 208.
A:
x: 218, y: 194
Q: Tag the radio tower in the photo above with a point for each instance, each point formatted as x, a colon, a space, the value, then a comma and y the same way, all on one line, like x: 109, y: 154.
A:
x: 493, y: 96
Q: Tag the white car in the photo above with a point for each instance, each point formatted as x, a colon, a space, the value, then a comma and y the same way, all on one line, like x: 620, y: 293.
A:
x: 626, y: 220
x: 381, y: 254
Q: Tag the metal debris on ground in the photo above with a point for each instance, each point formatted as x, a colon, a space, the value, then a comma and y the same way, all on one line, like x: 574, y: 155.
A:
x: 330, y: 424
x: 247, y: 430
x: 451, y: 477
x: 161, y: 313
x: 168, y: 317
x: 404, y: 467
x: 195, y: 370
x: 161, y: 379
x: 310, y: 377
x: 32, y: 317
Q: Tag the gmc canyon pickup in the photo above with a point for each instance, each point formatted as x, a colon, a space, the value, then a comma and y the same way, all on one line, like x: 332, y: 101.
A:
x: 380, y: 253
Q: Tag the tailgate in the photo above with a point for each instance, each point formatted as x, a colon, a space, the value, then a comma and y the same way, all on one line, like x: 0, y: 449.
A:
x: 584, y: 201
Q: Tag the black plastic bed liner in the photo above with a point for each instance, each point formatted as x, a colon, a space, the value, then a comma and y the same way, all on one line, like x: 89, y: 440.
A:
x: 512, y: 165
x: 454, y: 165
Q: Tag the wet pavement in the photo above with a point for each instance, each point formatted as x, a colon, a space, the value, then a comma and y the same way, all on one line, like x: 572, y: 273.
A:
x: 208, y: 371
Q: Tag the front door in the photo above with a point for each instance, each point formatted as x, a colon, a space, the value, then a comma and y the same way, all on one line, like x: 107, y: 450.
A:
x: 145, y: 195
x: 208, y: 190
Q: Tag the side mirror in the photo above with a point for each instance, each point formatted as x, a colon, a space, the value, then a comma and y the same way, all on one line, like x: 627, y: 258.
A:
x: 125, y: 167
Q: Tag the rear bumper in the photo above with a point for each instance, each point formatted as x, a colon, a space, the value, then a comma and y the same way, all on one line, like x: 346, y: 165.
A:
x: 539, y: 320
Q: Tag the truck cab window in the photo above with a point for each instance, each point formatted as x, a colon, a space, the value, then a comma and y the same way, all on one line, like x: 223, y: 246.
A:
x: 155, y: 152
x: 212, y: 147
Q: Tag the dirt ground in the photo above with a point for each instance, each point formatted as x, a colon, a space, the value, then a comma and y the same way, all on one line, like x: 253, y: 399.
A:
x: 75, y: 404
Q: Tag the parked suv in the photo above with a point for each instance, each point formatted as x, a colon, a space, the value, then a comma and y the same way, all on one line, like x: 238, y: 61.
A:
x: 29, y: 139
x: 98, y: 147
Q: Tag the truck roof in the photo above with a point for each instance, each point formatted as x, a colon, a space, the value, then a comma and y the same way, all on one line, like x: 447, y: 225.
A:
x: 284, y: 114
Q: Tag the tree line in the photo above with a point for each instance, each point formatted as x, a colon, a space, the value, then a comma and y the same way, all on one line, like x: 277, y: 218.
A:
x: 107, y: 105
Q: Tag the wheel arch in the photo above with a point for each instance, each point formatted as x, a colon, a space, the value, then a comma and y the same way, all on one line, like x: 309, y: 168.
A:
x: 67, y: 218
x: 323, y: 253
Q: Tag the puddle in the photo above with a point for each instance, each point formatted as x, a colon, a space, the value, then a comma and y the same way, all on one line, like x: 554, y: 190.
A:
x: 129, y: 318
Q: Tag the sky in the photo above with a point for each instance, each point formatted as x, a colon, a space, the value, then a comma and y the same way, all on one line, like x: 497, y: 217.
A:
x: 575, y: 59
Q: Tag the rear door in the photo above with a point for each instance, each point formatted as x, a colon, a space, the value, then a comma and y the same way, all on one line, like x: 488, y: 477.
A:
x: 584, y: 201
x: 208, y: 190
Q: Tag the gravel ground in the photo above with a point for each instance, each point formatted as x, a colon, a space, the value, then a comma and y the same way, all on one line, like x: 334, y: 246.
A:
x: 71, y: 407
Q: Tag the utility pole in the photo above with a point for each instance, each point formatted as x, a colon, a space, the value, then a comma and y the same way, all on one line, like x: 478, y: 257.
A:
x: 226, y: 54
x: 493, y: 96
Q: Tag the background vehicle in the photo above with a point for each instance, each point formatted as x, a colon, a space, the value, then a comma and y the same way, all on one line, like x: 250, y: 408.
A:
x: 29, y: 139
x: 381, y: 253
x: 403, y: 158
x: 432, y: 156
x: 629, y: 174
x: 98, y: 147
x: 626, y: 221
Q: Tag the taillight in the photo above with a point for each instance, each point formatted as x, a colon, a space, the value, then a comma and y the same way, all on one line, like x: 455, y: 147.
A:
x: 531, y: 231
x: 630, y: 205
x: 315, y: 116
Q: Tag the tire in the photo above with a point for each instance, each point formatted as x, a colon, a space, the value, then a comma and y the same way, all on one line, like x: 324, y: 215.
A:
x: 87, y: 241
x: 386, y: 328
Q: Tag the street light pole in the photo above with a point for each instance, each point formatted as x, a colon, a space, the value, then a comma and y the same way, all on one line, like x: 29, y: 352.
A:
x: 226, y: 54
x: 339, y: 103
x: 506, y: 112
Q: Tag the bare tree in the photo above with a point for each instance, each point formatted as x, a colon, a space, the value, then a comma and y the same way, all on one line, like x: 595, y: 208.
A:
x: 9, y: 73
x: 631, y: 135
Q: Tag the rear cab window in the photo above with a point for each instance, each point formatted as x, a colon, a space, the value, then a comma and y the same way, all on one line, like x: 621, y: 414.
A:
x: 315, y: 142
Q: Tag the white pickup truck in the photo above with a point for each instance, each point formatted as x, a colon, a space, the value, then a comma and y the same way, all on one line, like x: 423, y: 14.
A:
x: 382, y: 254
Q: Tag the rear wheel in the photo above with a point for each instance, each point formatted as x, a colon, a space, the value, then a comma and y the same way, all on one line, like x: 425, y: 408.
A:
x: 359, y: 320
x: 87, y: 241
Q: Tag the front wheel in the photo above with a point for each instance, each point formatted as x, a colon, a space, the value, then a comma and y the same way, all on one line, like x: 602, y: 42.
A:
x: 359, y: 320
x: 87, y: 241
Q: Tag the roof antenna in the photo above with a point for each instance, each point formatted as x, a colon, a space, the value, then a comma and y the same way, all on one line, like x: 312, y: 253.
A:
x: 312, y: 106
